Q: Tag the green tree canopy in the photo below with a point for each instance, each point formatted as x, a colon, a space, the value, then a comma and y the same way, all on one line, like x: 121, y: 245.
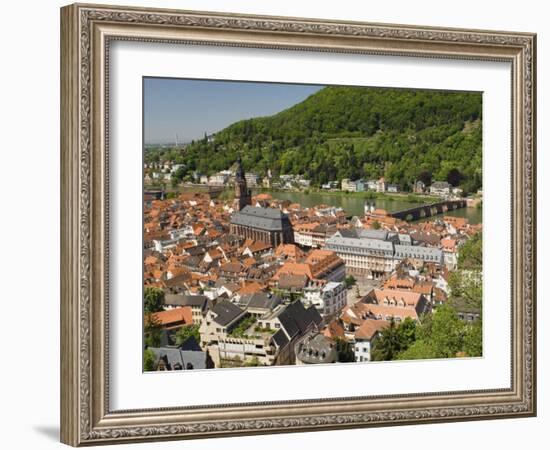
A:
x: 466, y: 283
x: 353, y: 132
x: 186, y: 332
x: 148, y: 360
x: 393, y: 340
x: 153, y: 299
x: 470, y: 255
x: 425, y: 177
x: 349, y: 281
x: 152, y: 331
x: 252, y: 362
x: 344, y: 350
x: 473, y: 340
x: 444, y: 335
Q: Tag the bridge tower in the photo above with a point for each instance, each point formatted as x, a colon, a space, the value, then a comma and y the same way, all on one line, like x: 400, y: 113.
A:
x: 369, y: 207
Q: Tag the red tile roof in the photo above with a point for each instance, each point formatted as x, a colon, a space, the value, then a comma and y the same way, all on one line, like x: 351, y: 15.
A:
x: 175, y: 317
x: 370, y: 327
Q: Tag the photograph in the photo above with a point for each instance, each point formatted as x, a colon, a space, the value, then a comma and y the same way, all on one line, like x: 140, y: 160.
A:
x: 301, y: 224
x: 294, y: 223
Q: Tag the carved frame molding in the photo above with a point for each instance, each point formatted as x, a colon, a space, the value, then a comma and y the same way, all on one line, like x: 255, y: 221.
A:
x: 86, y: 31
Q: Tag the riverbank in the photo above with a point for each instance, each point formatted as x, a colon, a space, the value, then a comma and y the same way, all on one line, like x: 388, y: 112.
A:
x: 351, y: 202
x: 367, y: 195
x: 227, y: 193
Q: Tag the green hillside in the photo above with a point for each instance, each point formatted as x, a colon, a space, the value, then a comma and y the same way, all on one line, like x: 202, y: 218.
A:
x: 356, y: 132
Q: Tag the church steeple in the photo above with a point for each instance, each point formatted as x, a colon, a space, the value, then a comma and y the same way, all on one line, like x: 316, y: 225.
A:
x: 239, y: 171
x: 242, y: 193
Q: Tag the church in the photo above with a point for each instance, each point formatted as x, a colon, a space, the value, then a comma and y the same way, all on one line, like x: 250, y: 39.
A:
x: 268, y: 225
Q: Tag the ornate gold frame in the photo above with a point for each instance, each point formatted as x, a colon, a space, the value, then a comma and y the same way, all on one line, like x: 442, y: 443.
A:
x: 86, y: 31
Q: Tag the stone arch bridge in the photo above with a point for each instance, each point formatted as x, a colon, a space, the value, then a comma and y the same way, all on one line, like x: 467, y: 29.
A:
x: 419, y: 212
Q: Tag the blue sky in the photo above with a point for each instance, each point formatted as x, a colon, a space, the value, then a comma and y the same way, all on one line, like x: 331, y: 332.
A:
x: 192, y: 107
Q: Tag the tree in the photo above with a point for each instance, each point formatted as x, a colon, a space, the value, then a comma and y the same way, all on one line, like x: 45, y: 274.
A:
x: 394, y: 339
x: 174, y: 181
x: 473, y: 340
x: 425, y: 177
x: 152, y: 331
x: 418, y: 350
x: 470, y: 255
x: 349, y: 281
x: 466, y: 287
x: 444, y: 331
x: 178, y: 175
x: 253, y: 362
x: 344, y: 349
x: 388, y: 344
x: 376, y: 225
x: 148, y: 360
x: 242, y: 327
x: 441, y: 335
x: 454, y: 177
x: 153, y: 299
x: 186, y: 332
x: 407, y: 332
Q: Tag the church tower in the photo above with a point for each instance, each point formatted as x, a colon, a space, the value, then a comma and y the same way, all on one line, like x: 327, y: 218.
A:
x: 242, y: 193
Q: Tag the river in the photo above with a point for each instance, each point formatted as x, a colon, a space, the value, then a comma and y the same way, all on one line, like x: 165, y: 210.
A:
x: 354, y: 204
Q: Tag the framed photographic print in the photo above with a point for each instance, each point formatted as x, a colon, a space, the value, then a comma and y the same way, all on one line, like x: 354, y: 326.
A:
x: 276, y: 225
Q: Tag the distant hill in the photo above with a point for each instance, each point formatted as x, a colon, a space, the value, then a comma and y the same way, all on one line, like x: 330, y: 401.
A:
x: 356, y: 132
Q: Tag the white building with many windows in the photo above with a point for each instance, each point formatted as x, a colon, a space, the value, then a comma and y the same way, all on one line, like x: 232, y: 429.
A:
x: 440, y: 188
x: 365, y: 256
x: 328, y: 299
x: 349, y: 185
x: 374, y: 253
x: 252, y: 179
x: 219, y: 179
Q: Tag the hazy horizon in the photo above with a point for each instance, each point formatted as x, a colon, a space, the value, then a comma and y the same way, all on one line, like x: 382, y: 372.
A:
x: 191, y: 108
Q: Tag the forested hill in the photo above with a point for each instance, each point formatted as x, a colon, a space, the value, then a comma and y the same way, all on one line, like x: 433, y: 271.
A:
x: 355, y: 132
